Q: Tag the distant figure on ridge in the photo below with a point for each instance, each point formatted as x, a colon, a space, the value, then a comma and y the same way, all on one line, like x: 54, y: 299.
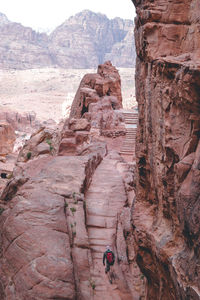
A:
x: 109, y: 257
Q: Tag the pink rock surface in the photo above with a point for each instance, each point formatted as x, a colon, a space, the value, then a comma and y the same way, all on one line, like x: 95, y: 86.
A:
x: 94, y: 108
x: 93, y: 87
x: 37, y: 243
x: 166, y: 213
x: 7, y: 138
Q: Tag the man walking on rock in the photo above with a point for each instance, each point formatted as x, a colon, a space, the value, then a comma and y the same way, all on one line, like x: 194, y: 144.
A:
x: 109, y: 257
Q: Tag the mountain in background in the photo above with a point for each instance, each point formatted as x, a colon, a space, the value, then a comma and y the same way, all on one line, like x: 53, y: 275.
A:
x: 83, y: 41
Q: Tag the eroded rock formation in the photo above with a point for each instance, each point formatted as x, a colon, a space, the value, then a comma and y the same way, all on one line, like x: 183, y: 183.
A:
x: 95, y: 110
x: 99, y: 98
x: 95, y: 87
x: 166, y: 214
x: 7, y: 138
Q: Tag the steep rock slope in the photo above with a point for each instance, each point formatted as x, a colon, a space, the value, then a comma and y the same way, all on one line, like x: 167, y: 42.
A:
x: 166, y: 215
x: 82, y: 41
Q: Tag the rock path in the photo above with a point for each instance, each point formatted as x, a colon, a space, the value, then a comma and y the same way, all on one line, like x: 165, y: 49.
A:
x: 104, y: 200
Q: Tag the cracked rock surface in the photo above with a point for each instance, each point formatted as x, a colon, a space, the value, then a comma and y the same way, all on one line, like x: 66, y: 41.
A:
x: 166, y: 213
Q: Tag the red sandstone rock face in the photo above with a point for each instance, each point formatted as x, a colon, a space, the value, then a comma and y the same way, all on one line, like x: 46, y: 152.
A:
x: 166, y: 213
x: 7, y: 138
x: 94, y: 87
x: 94, y: 110
x: 37, y: 253
x: 62, y: 212
x: 21, y: 122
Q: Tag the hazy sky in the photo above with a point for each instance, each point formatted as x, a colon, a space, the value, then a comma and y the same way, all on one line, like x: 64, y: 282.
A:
x: 47, y: 14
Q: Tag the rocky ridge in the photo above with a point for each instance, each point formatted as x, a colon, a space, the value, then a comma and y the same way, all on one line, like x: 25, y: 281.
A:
x: 60, y: 210
x: 82, y: 41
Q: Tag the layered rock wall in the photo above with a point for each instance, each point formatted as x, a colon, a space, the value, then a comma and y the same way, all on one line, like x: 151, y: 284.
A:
x: 166, y: 214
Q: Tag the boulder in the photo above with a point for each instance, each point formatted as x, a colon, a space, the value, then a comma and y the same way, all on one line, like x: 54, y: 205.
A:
x: 79, y: 124
x: 41, y: 142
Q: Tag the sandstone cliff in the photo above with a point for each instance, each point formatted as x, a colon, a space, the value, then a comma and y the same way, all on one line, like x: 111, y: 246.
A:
x: 166, y: 216
x: 82, y: 41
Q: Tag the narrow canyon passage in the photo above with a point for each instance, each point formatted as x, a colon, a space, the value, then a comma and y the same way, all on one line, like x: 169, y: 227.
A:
x: 104, y: 202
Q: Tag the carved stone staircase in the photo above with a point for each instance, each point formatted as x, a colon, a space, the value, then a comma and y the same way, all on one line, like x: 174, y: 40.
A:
x: 128, y: 147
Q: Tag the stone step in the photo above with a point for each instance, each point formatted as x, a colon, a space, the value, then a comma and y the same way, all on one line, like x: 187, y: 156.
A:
x: 127, y: 143
x: 131, y: 120
x: 128, y: 147
x: 130, y: 115
x: 127, y: 153
x: 130, y: 135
